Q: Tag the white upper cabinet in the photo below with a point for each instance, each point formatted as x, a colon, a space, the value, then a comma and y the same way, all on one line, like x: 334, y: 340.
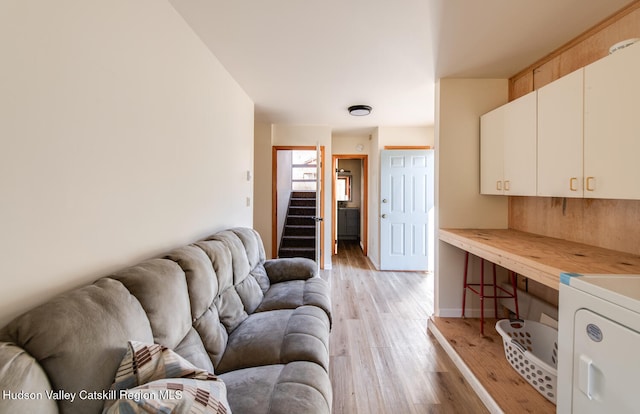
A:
x: 520, y: 146
x: 612, y: 126
x: 578, y: 136
x: 492, y: 152
x: 560, y: 119
x: 508, y: 148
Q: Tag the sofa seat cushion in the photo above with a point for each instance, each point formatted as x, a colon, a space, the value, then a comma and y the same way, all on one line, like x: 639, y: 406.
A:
x: 278, y: 337
x: 296, y: 293
x: 296, y: 387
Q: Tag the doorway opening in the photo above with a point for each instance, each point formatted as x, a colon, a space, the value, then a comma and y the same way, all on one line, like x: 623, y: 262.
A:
x: 350, y: 200
x: 297, y: 207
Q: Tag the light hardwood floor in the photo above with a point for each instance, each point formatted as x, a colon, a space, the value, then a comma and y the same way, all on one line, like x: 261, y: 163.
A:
x: 382, y: 358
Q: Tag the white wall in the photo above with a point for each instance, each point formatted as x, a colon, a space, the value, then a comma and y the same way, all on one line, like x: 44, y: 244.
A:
x: 262, y: 215
x: 459, y: 104
x: 348, y: 144
x: 122, y: 136
x: 284, y: 181
x: 406, y: 136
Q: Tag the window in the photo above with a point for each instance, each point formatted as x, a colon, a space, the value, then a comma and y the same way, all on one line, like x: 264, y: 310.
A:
x: 304, y: 171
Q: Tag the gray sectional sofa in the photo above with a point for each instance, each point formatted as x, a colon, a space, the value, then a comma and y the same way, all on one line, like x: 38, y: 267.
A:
x: 262, y: 326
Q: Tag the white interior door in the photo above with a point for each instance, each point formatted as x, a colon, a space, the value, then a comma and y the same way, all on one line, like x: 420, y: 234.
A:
x: 406, y: 200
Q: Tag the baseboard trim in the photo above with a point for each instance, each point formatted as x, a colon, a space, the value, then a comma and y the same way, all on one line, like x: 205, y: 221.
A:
x: 469, y: 313
x: 475, y: 384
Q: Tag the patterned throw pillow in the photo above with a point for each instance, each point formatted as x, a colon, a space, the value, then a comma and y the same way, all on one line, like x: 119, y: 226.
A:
x: 154, y: 379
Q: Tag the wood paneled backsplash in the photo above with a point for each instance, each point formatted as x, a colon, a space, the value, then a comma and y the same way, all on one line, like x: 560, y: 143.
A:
x: 612, y: 224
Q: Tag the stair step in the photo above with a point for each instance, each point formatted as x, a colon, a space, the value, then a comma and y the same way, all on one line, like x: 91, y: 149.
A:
x: 301, y: 211
x: 298, y: 241
x: 300, y: 220
x: 297, y: 252
x: 300, y: 230
x: 303, y: 194
x: 309, y: 202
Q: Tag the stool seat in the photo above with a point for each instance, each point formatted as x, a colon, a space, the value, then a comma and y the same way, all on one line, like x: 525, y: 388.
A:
x: 480, y: 291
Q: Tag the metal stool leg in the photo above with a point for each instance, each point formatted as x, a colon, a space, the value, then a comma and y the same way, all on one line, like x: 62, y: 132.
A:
x: 514, y: 284
x: 482, y: 297
x: 464, y: 285
x: 495, y: 293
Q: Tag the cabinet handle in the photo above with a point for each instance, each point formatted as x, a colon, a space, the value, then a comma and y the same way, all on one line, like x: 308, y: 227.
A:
x: 589, y: 185
x: 507, y: 185
x: 499, y: 185
x: 572, y: 183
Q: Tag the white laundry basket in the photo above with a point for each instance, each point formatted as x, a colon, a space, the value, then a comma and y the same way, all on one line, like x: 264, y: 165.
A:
x: 532, y: 349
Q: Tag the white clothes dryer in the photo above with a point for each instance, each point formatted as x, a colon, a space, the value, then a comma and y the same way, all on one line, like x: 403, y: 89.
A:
x: 599, y: 344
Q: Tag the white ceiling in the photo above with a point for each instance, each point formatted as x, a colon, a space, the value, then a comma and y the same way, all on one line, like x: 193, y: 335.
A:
x: 305, y: 62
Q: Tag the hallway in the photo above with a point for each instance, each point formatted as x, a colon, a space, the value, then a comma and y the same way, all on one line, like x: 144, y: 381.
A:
x: 382, y: 359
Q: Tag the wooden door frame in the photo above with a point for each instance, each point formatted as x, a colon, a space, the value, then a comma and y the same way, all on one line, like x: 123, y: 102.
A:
x: 274, y: 195
x: 365, y: 199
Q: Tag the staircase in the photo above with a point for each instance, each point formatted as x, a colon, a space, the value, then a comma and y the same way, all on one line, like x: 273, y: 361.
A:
x: 299, y: 235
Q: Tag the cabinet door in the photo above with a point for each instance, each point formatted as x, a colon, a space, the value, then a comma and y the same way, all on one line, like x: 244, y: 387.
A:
x: 492, y: 151
x: 342, y: 222
x: 353, y: 223
x: 612, y: 126
x: 520, y: 148
x: 560, y: 117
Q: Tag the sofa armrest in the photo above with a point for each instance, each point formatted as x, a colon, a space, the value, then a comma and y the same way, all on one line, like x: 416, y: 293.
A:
x: 295, y: 268
x: 22, y: 374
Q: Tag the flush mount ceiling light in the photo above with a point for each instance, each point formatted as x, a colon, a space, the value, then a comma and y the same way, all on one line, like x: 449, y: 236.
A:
x: 359, y: 110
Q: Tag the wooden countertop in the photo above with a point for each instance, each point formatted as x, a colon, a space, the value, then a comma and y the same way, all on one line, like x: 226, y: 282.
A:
x: 538, y: 257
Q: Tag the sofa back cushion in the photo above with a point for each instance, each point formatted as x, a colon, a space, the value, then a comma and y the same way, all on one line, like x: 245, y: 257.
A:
x: 246, y: 286
x: 240, y: 262
x: 202, y: 283
x: 161, y: 288
x: 203, y: 288
x: 253, y: 246
x: 228, y: 303
x: 80, y: 337
x: 254, y: 249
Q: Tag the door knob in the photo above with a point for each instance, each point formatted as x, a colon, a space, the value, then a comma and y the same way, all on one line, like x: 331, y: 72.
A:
x: 384, y: 200
x: 384, y: 216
